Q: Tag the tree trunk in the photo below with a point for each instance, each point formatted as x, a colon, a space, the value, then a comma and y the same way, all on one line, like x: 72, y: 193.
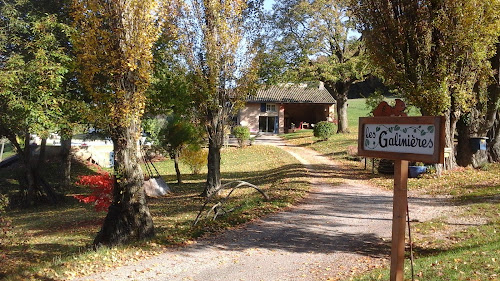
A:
x: 66, y: 161
x: 465, y: 154
x: 451, y: 119
x: 494, y: 141
x: 176, y: 164
x: 213, y: 176
x: 216, y: 135
x: 1, y: 149
x: 339, y: 91
x: 494, y: 90
x: 128, y: 216
x: 343, y: 126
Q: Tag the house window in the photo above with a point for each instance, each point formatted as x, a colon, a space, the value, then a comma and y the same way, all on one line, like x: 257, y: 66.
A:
x: 270, y: 107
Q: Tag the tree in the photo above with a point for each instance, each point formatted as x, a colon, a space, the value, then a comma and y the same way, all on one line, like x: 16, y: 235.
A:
x: 34, y: 60
x: 316, y: 40
x: 433, y: 51
x: 220, y: 69
x: 481, y: 118
x: 176, y: 135
x: 113, y: 46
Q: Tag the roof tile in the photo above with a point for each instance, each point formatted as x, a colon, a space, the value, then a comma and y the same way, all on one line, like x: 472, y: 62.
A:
x: 292, y: 94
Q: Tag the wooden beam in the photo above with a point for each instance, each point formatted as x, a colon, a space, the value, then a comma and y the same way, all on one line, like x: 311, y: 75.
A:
x: 400, y: 201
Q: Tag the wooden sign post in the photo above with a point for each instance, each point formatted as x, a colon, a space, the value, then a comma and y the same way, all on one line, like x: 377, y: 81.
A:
x: 401, y: 139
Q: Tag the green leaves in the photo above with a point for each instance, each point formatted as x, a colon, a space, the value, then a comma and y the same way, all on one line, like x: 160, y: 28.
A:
x: 37, y: 60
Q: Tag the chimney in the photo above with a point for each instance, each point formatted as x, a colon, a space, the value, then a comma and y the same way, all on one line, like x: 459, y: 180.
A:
x: 321, y: 85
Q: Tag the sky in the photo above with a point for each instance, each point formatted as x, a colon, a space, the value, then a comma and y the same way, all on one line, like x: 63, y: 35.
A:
x: 268, y: 4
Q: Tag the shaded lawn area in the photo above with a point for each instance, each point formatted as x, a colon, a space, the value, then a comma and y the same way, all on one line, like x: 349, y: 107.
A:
x: 52, y: 242
x: 8, y: 151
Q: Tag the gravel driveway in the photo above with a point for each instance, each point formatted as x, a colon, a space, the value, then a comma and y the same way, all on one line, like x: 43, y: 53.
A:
x: 336, y: 232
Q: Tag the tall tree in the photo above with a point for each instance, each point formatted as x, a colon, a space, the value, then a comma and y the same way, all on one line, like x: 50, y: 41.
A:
x: 433, y: 51
x: 316, y: 40
x: 113, y: 43
x: 33, y: 62
x: 220, y: 67
x: 481, y: 118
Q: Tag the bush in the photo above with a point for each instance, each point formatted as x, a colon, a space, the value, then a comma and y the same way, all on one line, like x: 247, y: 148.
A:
x: 242, y: 133
x: 195, y: 158
x: 324, y: 130
x: 102, y: 190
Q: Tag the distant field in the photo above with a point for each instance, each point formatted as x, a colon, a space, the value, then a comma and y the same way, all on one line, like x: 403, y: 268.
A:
x: 357, y: 108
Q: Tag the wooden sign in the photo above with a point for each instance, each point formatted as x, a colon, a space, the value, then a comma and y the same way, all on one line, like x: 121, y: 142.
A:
x: 393, y: 135
x: 402, y: 138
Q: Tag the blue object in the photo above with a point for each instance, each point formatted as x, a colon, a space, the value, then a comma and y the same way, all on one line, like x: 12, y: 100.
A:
x: 415, y: 171
x: 112, y: 159
x: 477, y: 144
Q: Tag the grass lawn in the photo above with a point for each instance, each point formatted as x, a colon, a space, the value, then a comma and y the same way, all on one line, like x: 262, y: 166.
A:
x: 443, y: 250
x: 52, y: 242
x: 7, y: 151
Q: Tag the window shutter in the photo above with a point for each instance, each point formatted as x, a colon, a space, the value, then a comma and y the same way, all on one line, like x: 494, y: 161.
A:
x: 262, y: 107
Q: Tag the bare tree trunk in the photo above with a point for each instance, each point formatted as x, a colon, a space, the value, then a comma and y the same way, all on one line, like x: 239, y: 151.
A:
x: 128, y: 216
x: 465, y: 154
x: 216, y: 133
x: 451, y: 119
x: 66, y: 161
x: 41, y: 156
x: 339, y: 91
x: 176, y: 164
x: 494, y: 142
x: 494, y: 89
x: 343, y: 126
x: 1, y: 150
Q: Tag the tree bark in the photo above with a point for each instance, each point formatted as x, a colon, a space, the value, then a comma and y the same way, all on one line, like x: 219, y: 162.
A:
x: 494, y: 141
x: 66, y: 161
x: 216, y: 134
x: 494, y: 89
x: 41, y: 156
x: 451, y: 118
x: 342, y: 126
x: 465, y: 154
x: 128, y: 216
x: 1, y: 149
x: 176, y: 164
x: 339, y: 91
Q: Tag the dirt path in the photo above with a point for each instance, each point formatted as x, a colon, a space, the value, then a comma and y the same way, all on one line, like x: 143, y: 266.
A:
x: 336, y: 232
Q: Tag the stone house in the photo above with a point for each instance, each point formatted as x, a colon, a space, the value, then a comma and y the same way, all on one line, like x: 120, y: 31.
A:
x: 278, y: 109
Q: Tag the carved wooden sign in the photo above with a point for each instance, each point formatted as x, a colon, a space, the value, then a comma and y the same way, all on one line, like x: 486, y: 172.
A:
x: 402, y: 138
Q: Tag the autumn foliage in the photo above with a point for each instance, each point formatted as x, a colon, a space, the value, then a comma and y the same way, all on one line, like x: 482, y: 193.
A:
x: 102, y: 188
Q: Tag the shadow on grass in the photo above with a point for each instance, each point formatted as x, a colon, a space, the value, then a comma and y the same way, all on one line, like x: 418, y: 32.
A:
x: 34, y: 254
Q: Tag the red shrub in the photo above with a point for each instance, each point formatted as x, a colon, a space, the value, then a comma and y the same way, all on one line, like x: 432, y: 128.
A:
x: 102, y: 190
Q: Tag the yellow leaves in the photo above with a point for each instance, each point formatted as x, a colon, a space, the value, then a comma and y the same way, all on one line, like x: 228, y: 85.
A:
x: 113, y: 45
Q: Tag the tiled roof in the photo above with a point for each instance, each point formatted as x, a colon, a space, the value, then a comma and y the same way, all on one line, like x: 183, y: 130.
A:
x: 292, y: 94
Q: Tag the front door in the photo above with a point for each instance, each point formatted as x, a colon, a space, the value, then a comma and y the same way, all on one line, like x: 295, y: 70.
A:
x: 267, y: 124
